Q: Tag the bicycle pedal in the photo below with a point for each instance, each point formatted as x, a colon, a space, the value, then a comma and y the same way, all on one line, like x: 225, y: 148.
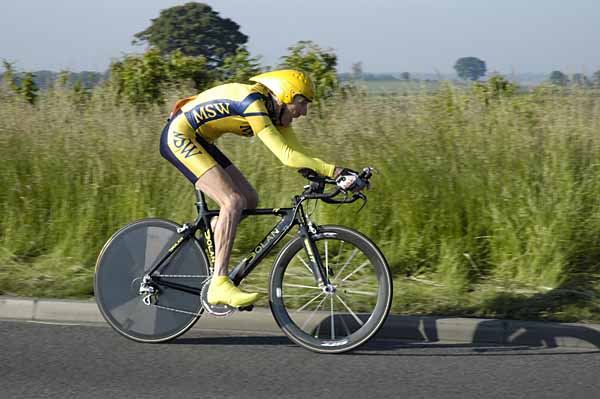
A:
x: 246, y: 308
x: 214, y: 310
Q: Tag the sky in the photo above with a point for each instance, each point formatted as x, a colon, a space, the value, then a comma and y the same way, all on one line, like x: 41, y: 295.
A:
x: 417, y: 36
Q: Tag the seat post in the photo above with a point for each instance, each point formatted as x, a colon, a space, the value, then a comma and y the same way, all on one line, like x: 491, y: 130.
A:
x: 200, y: 201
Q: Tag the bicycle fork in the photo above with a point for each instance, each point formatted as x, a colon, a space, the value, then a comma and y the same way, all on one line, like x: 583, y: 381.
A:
x: 314, y: 258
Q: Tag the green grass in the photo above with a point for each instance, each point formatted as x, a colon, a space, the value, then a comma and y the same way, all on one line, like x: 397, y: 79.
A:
x: 484, y: 205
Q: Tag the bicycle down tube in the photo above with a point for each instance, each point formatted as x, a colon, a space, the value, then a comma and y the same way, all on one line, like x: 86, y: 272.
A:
x: 291, y: 217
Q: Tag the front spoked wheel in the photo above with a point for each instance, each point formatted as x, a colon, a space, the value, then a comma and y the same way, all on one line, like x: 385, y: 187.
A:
x: 348, y: 312
x: 119, y: 275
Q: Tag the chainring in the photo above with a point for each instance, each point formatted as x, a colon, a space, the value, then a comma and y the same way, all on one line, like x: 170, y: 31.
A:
x: 215, y: 310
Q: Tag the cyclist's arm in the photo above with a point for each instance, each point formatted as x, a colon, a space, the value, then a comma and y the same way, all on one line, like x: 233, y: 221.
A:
x: 289, y: 135
x: 283, y: 143
x: 290, y: 156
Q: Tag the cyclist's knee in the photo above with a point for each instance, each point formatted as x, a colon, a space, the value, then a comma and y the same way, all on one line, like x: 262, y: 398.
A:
x: 234, y: 203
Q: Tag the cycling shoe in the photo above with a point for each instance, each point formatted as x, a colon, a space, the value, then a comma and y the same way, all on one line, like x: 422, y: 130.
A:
x: 221, y: 291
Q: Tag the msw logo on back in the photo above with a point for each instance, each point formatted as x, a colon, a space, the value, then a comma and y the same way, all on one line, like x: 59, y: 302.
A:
x: 185, y: 145
x: 203, y: 113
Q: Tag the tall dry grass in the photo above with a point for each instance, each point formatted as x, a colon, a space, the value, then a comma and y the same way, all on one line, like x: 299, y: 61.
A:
x: 476, y: 192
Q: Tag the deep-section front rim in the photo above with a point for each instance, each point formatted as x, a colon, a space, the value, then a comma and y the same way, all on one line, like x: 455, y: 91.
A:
x: 120, y: 266
x: 288, y: 320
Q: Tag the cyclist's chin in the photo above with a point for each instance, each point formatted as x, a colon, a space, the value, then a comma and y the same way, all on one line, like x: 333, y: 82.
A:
x: 290, y: 121
x: 285, y: 122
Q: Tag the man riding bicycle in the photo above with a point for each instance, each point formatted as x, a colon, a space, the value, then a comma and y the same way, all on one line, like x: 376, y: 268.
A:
x: 265, y: 109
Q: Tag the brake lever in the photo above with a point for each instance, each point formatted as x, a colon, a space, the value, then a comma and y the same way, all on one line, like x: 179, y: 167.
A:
x: 364, y: 199
x: 346, y: 200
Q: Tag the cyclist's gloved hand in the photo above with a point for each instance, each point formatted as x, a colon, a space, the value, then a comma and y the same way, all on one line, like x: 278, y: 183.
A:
x: 348, y: 180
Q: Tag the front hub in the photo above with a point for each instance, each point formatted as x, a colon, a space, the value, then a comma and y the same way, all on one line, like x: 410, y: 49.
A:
x: 329, y: 289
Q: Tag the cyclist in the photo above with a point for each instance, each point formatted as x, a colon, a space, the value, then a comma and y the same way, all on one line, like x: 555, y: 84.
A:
x: 264, y: 109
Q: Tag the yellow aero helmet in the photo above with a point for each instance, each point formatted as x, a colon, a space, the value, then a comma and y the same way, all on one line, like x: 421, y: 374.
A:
x: 287, y: 83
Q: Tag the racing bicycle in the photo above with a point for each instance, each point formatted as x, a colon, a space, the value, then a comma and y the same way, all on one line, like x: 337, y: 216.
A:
x: 330, y: 287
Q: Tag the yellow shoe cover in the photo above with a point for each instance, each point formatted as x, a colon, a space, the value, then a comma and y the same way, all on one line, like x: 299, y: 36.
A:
x: 221, y: 291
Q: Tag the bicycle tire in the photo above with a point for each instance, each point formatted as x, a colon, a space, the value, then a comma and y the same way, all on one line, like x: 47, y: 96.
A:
x: 362, y: 295
x: 122, y: 263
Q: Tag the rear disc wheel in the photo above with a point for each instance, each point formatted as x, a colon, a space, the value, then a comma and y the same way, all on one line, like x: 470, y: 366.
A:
x: 120, y: 269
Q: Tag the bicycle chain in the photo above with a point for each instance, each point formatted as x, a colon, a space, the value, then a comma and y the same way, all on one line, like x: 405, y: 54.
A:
x: 180, y: 276
x: 178, y: 310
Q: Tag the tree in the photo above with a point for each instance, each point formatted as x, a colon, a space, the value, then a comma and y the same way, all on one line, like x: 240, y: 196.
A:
x: 558, y: 78
x: 23, y: 84
x: 579, y: 79
x: 596, y: 78
x: 470, y: 68
x: 62, y: 79
x: 29, y: 89
x: 195, y: 30
x: 239, y: 67
x: 9, y: 76
x: 180, y: 68
x: 495, y: 88
x: 405, y: 76
x: 142, y: 78
x: 357, y: 70
x: 319, y: 63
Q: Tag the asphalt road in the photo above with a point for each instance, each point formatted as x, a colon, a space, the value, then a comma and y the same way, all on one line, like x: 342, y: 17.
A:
x: 40, y: 360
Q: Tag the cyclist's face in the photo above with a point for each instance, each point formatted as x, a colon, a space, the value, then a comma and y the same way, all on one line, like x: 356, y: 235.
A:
x: 296, y: 109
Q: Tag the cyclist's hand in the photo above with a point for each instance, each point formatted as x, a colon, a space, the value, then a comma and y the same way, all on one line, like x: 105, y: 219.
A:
x: 349, y: 180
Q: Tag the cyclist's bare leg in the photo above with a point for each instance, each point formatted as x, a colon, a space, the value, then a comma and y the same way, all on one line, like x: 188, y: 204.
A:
x: 242, y: 186
x: 218, y: 185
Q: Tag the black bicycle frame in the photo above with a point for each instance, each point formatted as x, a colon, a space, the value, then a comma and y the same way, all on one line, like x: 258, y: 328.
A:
x: 290, y: 218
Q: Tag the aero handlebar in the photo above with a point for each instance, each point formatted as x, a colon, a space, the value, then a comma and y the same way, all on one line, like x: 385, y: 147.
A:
x: 316, y: 189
